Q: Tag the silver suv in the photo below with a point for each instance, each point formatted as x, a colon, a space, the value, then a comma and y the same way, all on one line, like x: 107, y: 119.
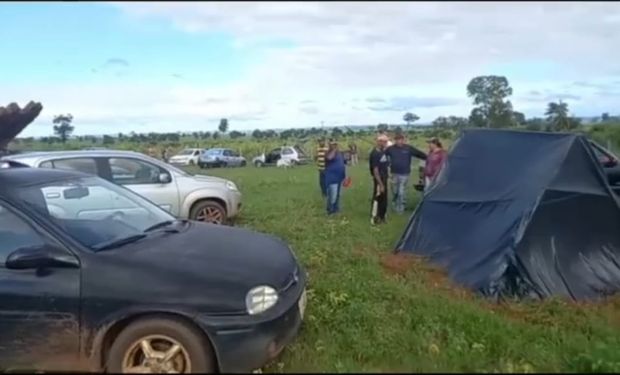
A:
x: 195, y: 197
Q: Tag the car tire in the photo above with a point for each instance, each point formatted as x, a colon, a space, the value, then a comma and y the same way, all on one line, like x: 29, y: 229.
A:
x: 258, y: 164
x: 202, y: 210
x: 243, y: 163
x: 195, y: 354
x: 201, y: 165
x: 191, y: 163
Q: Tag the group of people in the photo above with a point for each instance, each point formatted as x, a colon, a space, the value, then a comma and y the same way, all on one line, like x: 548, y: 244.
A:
x: 385, y: 159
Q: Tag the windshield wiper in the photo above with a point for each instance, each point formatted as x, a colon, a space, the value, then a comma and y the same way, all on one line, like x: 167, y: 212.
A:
x: 112, y: 244
x: 163, y: 224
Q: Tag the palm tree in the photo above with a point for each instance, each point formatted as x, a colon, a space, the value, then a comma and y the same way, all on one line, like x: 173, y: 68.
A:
x: 557, y: 116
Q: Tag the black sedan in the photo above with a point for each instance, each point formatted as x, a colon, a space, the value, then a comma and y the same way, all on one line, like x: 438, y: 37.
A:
x: 96, y: 278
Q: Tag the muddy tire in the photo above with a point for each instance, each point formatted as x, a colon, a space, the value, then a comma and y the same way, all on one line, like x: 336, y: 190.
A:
x: 208, y: 212
x: 160, y: 345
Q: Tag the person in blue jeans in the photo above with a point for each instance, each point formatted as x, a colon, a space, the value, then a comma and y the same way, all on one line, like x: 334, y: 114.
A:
x: 400, y: 155
x: 335, y: 173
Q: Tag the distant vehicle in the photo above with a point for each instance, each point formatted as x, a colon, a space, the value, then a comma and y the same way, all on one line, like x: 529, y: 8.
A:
x: 96, y: 278
x: 188, y: 156
x: 292, y: 154
x: 203, y: 198
x: 609, y: 163
x: 220, y: 157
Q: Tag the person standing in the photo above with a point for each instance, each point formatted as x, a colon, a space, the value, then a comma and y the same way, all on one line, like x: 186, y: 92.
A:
x: 353, y: 153
x: 400, y: 155
x: 335, y: 173
x: 378, y: 162
x: 434, y: 161
x: 320, y: 163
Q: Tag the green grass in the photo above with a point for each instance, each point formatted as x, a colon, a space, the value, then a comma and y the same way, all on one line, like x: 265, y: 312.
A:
x: 362, y: 317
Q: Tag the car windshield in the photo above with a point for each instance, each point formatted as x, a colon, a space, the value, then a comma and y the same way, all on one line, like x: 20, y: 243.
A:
x: 212, y: 152
x: 95, y: 212
x: 187, y: 151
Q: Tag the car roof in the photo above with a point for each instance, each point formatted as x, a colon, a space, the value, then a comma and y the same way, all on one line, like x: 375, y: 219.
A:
x: 76, y: 153
x: 11, y: 178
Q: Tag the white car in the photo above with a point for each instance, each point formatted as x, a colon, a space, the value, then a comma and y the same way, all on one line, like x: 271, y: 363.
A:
x: 202, y: 198
x: 289, y: 155
x: 188, y: 156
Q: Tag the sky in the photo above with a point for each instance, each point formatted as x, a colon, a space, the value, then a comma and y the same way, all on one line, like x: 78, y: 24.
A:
x: 167, y: 67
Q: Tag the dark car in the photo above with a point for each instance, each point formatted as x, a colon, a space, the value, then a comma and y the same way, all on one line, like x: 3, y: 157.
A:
x: 97, y: 278
x: 609, y: 163
x: 220, y: 157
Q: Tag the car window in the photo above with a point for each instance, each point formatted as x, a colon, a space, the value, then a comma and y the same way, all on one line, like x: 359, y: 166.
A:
x: 91, y: 210
x: 132, y: 171
x: 15, y: 234
x: 234, y: 153
x: 227, y: 153
x: 46, y: 164
x: 196, y: 153
x: 276, y: 151
x: 85, y: 165
x: 287, y: 151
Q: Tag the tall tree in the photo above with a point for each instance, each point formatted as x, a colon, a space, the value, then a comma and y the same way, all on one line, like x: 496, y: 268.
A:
x: 605, y: 117
x: 557, y: 116
x: 518, y: 118
x: 63, y: 127
x: 492, y: 109
x: 410, y: 118
x: 382, y: 127
x: 223, y: 128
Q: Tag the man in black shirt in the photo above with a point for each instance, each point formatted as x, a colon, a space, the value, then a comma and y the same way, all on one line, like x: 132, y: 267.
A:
x: 378, y: 161
x: 400, y: 155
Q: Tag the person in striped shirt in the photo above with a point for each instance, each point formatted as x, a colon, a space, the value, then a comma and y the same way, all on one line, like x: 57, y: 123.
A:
x: 320, y: 163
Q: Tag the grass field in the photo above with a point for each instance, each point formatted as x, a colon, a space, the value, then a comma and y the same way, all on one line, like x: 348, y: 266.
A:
x: 368, y: 311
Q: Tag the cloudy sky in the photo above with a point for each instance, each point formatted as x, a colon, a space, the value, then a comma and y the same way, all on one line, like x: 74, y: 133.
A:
x: 121, y: 67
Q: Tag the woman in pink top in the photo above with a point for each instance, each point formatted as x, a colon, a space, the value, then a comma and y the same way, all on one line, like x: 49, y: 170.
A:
x: 436, y: 157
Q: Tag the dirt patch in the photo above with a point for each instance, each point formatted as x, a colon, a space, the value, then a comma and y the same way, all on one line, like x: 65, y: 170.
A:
x: 404, y: 265
x: 399, y: 263
x: 551, y: 312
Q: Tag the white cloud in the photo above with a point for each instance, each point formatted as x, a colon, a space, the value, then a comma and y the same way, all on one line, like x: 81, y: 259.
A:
x: 421, y: 52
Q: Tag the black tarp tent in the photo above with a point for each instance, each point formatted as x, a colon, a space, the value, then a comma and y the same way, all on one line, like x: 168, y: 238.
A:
x: 516, y: 213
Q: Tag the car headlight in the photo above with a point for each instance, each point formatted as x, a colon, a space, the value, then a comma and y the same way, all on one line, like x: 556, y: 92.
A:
x: 260, y: 299
x: 231, y: 186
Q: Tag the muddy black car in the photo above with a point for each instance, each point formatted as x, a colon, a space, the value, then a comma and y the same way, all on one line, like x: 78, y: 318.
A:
x: 97, y: 278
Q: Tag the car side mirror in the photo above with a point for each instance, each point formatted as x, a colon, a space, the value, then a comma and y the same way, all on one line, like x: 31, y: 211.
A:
x: 164, y: 178
x: 45, y: 256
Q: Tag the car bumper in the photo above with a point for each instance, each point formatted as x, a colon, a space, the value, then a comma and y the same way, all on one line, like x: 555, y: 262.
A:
x: 241, y: 348
x: 210, y: 163
x: 179, y: 162
x: 234, y: 204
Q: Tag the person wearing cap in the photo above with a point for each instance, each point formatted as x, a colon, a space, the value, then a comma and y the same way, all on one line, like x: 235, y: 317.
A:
x: 378, y: 163
x: 335, y: 173
x: 434, y: 161
x: 320, y: 163
x: 400, y: 155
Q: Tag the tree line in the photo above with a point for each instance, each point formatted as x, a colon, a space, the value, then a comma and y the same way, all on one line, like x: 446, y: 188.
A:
x: 490, y: 96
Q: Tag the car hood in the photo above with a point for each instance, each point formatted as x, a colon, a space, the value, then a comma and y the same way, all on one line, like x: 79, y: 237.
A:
x: 207, y: 267
x: 203, y: 178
